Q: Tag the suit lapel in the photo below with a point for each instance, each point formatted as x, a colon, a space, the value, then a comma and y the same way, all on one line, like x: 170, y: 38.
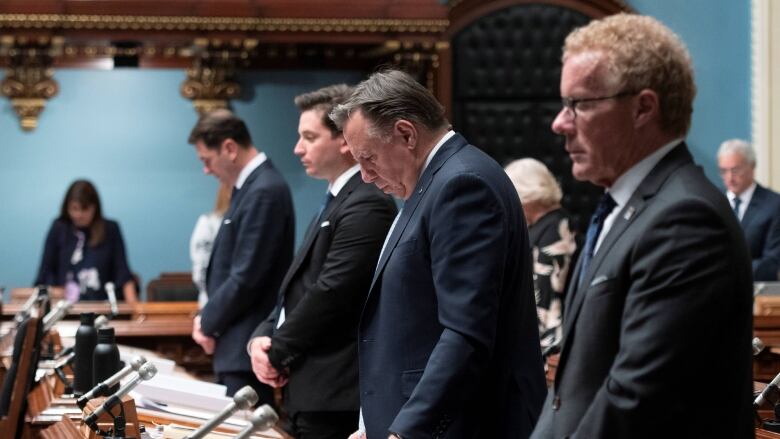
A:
x: 635, y: 206
x: 235, y: 201
x: 453, y: 145
x: 753, y: 207
x: 314, y: 229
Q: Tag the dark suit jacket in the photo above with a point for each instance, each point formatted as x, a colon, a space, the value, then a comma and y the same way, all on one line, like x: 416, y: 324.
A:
x: 108, y: 258
x: 449, y: 346
x: 659, y: 335
x: 251, y: 253
x: 761, y: 224
x: 322, y: 294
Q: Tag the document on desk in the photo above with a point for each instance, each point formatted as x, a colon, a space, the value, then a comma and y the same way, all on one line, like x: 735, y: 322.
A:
x: 174, y: 431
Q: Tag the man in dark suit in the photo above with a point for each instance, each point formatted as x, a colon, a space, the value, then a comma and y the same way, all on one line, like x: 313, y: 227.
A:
x: 658, y: 320
x: 757, y: 207
x: 448, y: 339
x: 310, y: 337
x: 251, y: 252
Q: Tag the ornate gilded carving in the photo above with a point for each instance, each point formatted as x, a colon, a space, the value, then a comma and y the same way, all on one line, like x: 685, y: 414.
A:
x: 225, y: 24
x: 29, y: 80
x: 209, y: 82
x: 420, y: 60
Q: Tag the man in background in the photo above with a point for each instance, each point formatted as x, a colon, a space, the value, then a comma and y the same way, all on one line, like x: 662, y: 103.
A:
x: 251, y: 252
x: 308, y: 343
x: 660, y: 304
x: 757, y: 207
x: 448, y: 344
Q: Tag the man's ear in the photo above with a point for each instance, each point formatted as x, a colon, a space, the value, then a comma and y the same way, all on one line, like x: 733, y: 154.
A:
x: 647, y: 108
x: 343, y: 146
x: 229, y: 147
x: 407, y: 131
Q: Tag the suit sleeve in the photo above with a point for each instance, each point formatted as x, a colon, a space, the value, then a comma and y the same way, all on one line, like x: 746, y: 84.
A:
x: 469, y: 238
x: 266, y: 327
x: 765, y: 268
x: 676, y: 291
x: 121, y: 273
x: 47, y: 272
x: 331, y: 308
x: 259, y: 240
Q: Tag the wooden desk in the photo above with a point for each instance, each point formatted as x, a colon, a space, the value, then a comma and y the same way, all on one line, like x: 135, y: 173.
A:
x: 163, y: 327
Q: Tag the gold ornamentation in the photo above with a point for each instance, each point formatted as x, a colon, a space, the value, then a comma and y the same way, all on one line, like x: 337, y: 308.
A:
x: 421, y: 60
x: 209, y: 82
x: 223, y: 24
x: 29, y: 81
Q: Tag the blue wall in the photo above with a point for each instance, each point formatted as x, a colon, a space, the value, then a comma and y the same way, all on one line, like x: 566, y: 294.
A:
x: 717, y: 33
x: 126, y: 130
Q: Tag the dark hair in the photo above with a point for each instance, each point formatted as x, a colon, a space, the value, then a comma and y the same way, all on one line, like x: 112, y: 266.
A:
x: 84, y: 193
x: 325, y: 99
x: 215, y: 127
x: 391, y: 95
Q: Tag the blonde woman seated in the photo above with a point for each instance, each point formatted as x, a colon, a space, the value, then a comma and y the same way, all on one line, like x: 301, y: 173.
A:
x: 552, y: 241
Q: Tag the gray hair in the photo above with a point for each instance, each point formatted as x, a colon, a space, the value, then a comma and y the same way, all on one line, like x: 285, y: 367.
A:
x: 388, y: 96
x: 738, y: 146
x: 534, y: 182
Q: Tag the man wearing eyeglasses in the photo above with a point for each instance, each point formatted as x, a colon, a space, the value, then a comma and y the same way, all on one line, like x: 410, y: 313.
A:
x: 658, y: 318
x: 757, y: 207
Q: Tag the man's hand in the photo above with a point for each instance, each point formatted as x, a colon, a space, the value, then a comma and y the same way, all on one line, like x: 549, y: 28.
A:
x: 261, y: 365
x: 206, y: 342
x: 357, y: 435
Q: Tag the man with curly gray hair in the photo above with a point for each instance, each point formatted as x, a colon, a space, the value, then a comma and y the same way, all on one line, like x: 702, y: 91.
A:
x: 664, y: 278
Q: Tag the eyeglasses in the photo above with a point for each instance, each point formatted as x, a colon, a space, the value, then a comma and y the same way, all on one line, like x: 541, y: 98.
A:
x: 570, y: 104
x: 737, y: 171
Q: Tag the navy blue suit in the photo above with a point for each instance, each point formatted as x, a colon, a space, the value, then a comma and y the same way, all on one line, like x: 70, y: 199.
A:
x: 448, y: 339
x: 761, y: 224
x: 251, y: 253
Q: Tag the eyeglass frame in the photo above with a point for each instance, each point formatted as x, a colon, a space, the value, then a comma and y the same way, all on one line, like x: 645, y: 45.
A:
x: 570, y: 104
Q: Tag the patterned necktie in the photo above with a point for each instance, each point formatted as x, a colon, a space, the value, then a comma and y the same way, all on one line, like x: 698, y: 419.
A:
x: 603, y: 209
x: 737, y: 203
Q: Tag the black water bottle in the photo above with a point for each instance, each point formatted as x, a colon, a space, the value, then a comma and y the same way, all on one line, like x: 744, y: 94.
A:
x: 86, y: 339
x: 105, y: 360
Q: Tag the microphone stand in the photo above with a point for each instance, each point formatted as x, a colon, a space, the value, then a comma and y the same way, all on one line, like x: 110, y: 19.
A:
x: 120, y: 422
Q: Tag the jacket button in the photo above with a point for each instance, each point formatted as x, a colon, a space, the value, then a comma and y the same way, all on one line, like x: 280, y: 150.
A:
x: 556, y: 403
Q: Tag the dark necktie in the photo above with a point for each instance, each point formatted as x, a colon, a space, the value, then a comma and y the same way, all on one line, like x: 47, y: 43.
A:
x: 737, y: 203
x: 325, y: 202
x: 605, y: 206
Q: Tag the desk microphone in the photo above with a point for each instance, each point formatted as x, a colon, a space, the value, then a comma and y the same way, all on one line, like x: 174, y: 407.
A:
x: 101, y: 389
x: 54, y: 316
x: 758, y: 346
x: 770, y: 389
x: 111, y: 293
x: 262, y: 419
x: 145, y: 372
x: 64, y: 352
x: 25, y: 311
x: 65, y: 360
x: 101, y: 321
x: 244, y: 399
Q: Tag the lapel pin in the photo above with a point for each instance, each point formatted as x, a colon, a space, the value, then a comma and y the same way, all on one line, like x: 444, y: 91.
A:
x: 629, y: 213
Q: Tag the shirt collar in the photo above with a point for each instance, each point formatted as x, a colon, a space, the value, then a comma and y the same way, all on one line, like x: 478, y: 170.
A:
x: 627, y: 183
x: 342, y: 180
x: 253, y: 164
x: 436, y: 149
x: 745, y: 196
